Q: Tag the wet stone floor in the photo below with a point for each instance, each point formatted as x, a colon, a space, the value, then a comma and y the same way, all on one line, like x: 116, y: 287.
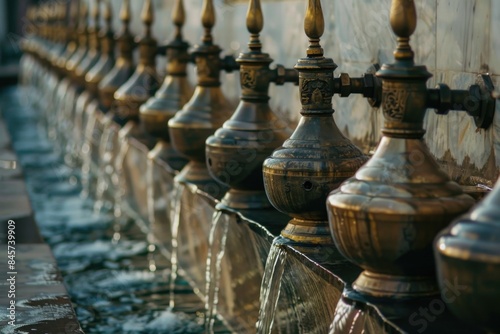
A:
x: 108, y: 280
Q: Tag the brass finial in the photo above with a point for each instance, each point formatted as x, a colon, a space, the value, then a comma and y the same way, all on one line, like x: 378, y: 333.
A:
x: 74, y: 9
x: 125, y: 12
x: 178, y: 16
x: 255, y: 23
x: 61, y: 12
x: 108, y: 14
x: 96, y: 13
x: 208, y: 20
x: 403, y: 23
x: 147, y: 16
x: 84, y: 12
x: 314, y: 26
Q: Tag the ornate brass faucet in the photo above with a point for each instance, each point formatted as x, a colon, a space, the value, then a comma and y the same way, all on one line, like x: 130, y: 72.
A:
x: 93, y: 54
x: 124, y: 64
x: 107, y: 59
x: 174, y: 93
x: 468, y: 255
x: 207, y: 109
x: 385, y: 218
x: 299, y: 175
x: 144, y: 82
x: 236, y: 151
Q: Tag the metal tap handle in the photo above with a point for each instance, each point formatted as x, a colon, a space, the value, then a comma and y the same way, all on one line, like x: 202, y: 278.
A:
x: 283, y: 75
x: 368, y: 85
x: 161, y: 50
x: 229, y: 64
x: 478, y: 101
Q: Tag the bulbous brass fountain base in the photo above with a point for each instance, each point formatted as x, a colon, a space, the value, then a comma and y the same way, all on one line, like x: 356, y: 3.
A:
x: 385, y: 218
x: 308, y: 232
x: 399, y: 287
x: 468, y: 260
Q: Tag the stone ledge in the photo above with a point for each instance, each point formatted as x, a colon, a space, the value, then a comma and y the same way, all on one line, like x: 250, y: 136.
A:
x: 42, y: 303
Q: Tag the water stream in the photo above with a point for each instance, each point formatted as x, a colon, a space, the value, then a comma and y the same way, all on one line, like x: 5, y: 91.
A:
x: 151, y: 212
x: 109, y: 281
x: 87, y: 156
x: 271, y: 288
x: 217, y: 247
x: 354, y: 318
x: 175, y: 219
x: 105, y: 166
x: 119, y: 190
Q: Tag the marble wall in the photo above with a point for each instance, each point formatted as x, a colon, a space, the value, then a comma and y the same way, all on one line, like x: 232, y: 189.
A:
x: 453, y: 39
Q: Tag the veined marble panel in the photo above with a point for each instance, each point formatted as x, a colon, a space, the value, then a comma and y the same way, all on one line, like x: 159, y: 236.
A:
x: 463, y: 34
x: 454, y: 39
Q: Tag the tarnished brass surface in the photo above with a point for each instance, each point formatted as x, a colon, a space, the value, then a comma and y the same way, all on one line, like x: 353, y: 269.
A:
x: 174, y: 93
x: 468, y: 255
x: 124, y: 66
x: 317, y: 157
x: 236, y: 151
x: 144, y: 82
x: 206, y: 110
x: 385, y: 218
x: 107, y: 58
x: 93, y: 53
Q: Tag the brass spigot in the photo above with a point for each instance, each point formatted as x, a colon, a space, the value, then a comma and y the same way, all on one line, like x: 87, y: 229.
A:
x: 385, y: 218
x: 82, y: 37
x: 315, y: 160
x: 93, y: 54
x: 107, y: 58
x: 236, y: 151
x: 173, y: 94
x: 468, y: 256
x: 144, y: 82
x: 124, y: 64
x: 206, y: 110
